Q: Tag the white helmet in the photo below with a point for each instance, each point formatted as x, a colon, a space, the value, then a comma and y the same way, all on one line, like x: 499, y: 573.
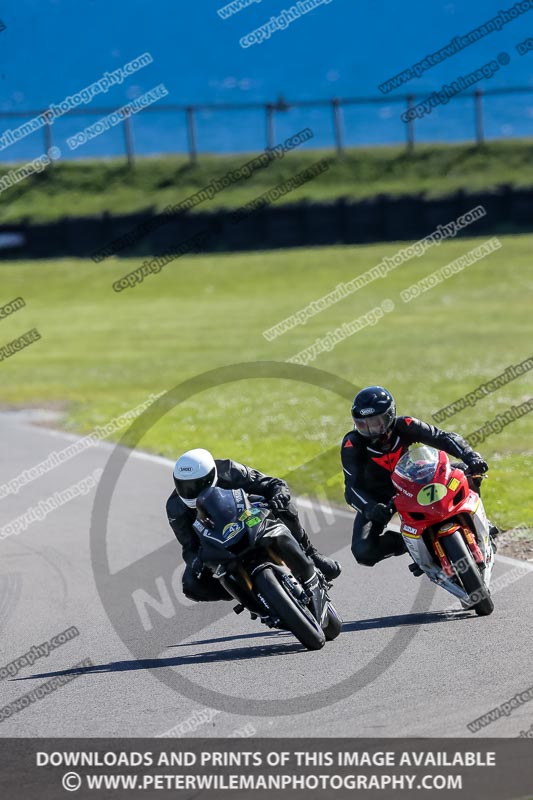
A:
x: 194, y: 470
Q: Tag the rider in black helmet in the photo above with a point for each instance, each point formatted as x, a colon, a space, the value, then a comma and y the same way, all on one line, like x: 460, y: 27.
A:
x: 369, y: 455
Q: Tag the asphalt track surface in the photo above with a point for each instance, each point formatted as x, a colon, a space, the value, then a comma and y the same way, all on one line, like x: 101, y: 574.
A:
x: 409, y: 662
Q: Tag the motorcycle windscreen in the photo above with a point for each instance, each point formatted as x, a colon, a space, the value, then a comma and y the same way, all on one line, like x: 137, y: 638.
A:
x: 221, y: 506
x: 418, y: 464
x: 220, y: 522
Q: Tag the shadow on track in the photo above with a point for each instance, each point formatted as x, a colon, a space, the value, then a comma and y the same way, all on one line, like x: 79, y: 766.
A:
x: 267, y: 650
x: 258, y: 635
x: 214, y: 656
x: 405, y: 619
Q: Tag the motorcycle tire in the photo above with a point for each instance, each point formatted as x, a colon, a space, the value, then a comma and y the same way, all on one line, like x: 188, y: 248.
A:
x: 333, y: 626
x: 292, y: 616
x: 459, y: 553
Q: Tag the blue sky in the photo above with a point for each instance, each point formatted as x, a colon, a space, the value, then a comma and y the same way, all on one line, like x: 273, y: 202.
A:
x: 53, y: 48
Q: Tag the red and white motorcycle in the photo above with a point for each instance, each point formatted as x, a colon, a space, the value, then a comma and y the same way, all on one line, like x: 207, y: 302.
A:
x: 444, y: 525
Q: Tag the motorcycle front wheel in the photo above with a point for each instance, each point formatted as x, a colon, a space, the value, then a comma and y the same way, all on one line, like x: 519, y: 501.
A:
x: 468, y: 573
x: 334, y: 624
x: 283, y: 605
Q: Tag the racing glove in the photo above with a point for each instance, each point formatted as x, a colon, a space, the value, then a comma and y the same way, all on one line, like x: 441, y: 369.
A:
x: 476, y: 464
x: 197, y: 566
x: 380, y: 514
x: 280, y: 500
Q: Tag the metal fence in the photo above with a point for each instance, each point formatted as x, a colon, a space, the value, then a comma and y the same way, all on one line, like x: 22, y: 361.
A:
x: 335, y: 105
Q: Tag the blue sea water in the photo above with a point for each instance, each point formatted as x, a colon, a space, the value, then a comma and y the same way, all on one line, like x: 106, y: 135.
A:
x: 51, y: 49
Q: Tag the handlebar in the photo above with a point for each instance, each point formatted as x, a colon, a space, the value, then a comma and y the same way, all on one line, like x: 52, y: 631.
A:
x: 478, y: 475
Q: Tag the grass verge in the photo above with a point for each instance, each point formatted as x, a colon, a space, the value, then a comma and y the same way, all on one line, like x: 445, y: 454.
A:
x: 88, y: 188
x: 103, y: 353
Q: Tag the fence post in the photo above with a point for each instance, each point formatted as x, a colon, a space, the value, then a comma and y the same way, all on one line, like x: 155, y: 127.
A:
x: 191, y: 134
x: 47, y: 130
x: 337, y: 124
x: 128, y: 141
x: 478, y: 112
x: 410, y: 125
x: 269, y: 109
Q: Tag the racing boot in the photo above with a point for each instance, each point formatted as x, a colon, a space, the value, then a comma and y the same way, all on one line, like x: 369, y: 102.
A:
x: 329, y: 568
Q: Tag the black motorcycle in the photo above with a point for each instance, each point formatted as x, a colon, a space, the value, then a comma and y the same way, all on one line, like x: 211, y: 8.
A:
x: 255, y: 558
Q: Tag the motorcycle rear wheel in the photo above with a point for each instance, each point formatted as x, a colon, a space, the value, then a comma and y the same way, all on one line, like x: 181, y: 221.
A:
x: 306, y: 629
x: 458, y: 553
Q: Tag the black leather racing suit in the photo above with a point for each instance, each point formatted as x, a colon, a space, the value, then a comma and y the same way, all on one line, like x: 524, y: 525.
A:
x: 368, y: 466
x: 231, y: 475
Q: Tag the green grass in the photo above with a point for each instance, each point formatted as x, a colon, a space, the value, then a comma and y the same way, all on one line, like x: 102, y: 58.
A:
x: 103, y: 353
x: 87, y: 188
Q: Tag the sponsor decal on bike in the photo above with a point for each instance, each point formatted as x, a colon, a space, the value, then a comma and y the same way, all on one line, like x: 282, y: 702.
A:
x: 453, y: 484
x: 239, y: 499
x: 431, y: 493
x: 251, y: 521
x: 446, y: 566
x: 231, y: 530
x: 404, y: 491
x: 409, y: 529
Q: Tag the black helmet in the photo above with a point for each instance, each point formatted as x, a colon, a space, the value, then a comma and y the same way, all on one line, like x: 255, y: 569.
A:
x: 373, y: 411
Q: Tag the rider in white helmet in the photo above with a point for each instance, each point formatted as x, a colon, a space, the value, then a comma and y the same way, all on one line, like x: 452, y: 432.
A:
x: 196, y: 470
